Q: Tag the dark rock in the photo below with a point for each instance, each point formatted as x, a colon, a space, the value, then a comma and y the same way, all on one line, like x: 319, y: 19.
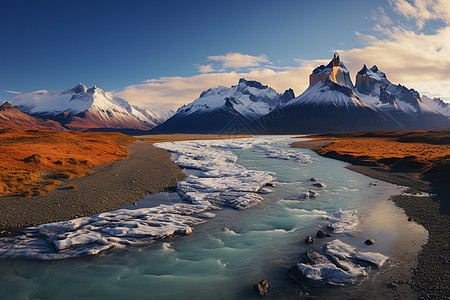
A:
x: 321, y: 234
x: 369, y: 242
x: 312, y: 179
x: 262, y: 287
x: 310, y: 194
x: 287, y: 95
x: 409, y: 219
x: 35, y: 158
x: 270, y: 184
x: 309, y: 240
x: 320, y: 184
x: 254, y: 84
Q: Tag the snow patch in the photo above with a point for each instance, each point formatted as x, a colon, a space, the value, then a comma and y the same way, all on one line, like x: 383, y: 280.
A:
x: 342, y: 221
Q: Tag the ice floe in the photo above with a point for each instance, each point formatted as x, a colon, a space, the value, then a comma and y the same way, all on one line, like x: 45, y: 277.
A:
x: 90, y: 235
x: 285, y: 154
x: 219, y: 180
x: 342, y: 221
x: 340, y: 264
x: 374, y: 258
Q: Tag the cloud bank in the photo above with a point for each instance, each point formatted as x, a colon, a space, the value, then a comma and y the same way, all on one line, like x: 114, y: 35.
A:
x: 407, y: 56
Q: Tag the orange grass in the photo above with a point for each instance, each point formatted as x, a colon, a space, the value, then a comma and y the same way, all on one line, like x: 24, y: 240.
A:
x: 417, y: 150
x: 32, y: 162
x: 381, y: 148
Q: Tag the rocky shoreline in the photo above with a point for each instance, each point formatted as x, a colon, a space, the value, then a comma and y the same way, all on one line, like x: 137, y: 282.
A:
x: 147, y: 170
x: 431, y: 277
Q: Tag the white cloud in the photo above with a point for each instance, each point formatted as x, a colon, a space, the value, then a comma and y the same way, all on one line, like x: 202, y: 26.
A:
x: 411, y: 58
x: 11, y: 92
x: 235, y: 60
x: 380, y: 17
x: 172, y: 92
x: 422, y: 11
x: 206, y: 68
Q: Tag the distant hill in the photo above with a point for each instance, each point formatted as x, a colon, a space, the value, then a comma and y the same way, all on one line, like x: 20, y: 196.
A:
x: 82, y: 108
x: 10, y: 117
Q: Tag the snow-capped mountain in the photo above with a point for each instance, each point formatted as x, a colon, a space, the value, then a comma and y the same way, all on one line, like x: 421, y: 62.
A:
x: 85, y: 108
x: 10, y: 117
x: 248, y: 98
x: 402, y: 105
x: 151, y: 117
x: 437, y: 104
x: 329, y: 104
x: 226, y: 108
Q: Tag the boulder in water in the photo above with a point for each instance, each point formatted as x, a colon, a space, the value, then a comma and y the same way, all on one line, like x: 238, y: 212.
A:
x: 321, y: 234
x: 370, y: 242
x: 309, y: 240
x: 262, y: 287
x: 320, y: 184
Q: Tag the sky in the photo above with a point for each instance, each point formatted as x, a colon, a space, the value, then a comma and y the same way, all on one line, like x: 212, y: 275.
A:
x: 163, y: 54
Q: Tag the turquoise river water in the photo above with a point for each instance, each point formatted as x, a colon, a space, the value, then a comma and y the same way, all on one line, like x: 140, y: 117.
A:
x: 228, y: 254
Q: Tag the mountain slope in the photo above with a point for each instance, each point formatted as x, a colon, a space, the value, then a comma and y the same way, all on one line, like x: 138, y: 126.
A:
x: 85, y: 108
x: 10, y: 117
x: 405, y: 107
x: 437, y: 104
x: 329, y: 104
x: 218, y: 110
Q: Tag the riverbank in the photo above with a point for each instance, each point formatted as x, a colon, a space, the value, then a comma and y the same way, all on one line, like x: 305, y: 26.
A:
x: 147, y: 170
x: 432, y: 275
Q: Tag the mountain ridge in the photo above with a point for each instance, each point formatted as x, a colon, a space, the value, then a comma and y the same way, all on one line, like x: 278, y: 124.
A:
x: 11, y: 117
x: 227, y: 109
x: 82, y: 108
x: 331, y: 103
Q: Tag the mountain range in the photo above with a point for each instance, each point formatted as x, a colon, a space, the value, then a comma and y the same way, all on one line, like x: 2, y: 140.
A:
x: 331, y: 103
x: 82, y: 108
x: 219, y: 109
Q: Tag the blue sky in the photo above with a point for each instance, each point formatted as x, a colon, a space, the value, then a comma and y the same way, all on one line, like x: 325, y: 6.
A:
x: 130, y: 47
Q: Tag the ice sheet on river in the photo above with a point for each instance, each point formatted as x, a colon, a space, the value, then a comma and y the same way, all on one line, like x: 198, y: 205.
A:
x: 340, y: 264
x: 219, y: 182
x: 90, y: 235
x: 342, y: 221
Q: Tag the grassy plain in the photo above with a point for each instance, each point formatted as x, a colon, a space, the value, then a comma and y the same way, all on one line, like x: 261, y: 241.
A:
x: 33, y: 162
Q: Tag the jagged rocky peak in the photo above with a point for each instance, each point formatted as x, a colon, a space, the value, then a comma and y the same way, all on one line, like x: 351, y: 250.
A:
x: 373, y: 72
x: 6, y: 105
x: 251, y: 83
x: 369, y: 80
x: 402, y: 93
x: 437, y: 104
x: 79, y: 88
x: 336, y: 61
x: 363, y: 70
x: 334, y: 72
x: 92, y: 89
x: 287, y: 95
